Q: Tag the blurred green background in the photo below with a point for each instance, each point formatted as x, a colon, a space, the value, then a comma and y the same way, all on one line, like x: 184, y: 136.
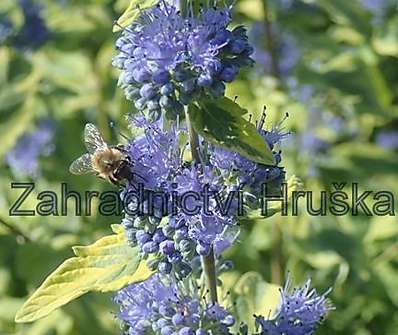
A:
x: 331, y: 64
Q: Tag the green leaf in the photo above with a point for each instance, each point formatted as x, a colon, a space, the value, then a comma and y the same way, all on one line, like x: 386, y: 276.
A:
x: 388, y: 275
x: 253, y: 9
x: 385, y: 40
x: 107, y: 265
x: 221, y: 122
x: 253, y: 295
x: 381, y: 228
x: 57, y: 323
x: 9, y: 306
x: 131, y: 13
x: 5, y: 56
x: 348, y: 13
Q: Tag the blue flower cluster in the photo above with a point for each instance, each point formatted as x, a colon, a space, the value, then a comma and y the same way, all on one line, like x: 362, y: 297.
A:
x: 174, y: 236
x: 387, y: 139
x: 376, y: 7
x: 6, y: 29
x: 34, y: 32
x: 23, y: 159
x: 286, y: 49
x: 300, y: 311
x: 211, y: 226
x: 168, y: 60
x: 166, y: 307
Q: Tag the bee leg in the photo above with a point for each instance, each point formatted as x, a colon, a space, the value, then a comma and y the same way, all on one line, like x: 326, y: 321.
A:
x: 134, y: 186
x: 136, y: 174
x: 113, y: 181
x: 97, y: 174
x: 121, y: 148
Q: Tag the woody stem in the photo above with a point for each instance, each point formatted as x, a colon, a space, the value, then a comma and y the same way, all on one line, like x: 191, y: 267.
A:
x: 208, y: 262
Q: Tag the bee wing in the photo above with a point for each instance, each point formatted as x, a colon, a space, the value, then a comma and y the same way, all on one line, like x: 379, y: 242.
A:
x: 93, y: 139
x: 82, y: 165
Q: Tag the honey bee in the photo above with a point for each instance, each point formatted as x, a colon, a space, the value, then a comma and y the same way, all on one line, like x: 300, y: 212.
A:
x: 107, y: 162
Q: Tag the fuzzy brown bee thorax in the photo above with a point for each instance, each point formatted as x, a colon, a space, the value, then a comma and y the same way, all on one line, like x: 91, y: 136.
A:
x: 106, y: 161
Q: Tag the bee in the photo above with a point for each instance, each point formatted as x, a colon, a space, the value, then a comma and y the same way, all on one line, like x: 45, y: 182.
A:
x: 106, y: 162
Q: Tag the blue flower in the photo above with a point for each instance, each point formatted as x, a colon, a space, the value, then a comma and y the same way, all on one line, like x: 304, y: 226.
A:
x: 387, y: 139
x: 23, y: 159
x: 164, y: 226
x: 285, y: 47
x: 157, y: 159
x: 156, y: 153
x: 34, y: 32
x: 299, y: 313
x: 162, y: 306
x: 209, y: 227
x: 168, y: 60
x: 6, y: 29
x: 375, y: 6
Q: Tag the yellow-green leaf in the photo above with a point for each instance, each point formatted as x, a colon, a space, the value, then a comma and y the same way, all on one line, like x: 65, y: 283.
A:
x: 17, y: 124
x: 131, y: 13
x: 107, y: 265
x: 253, y: 295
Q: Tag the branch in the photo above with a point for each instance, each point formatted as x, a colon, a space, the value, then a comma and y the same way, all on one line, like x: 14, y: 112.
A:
x: 15, y: 230
x: 271, y: 41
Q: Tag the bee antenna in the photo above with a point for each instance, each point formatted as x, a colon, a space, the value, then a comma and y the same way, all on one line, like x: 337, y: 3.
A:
x: 136, y: 174
x: 116, y: 23
x: 117, y: 130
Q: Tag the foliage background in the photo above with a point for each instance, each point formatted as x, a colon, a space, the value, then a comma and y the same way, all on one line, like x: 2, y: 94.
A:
x: 331, y: 64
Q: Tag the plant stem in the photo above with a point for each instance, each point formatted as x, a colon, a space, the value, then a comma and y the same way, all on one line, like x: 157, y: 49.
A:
x: 276, y: 254
x: 183, y: 7
x: 209, y: 269
x: 272, y: 44
x: 271, y: 41
x: 208, y: 262
x: 14, y: 230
